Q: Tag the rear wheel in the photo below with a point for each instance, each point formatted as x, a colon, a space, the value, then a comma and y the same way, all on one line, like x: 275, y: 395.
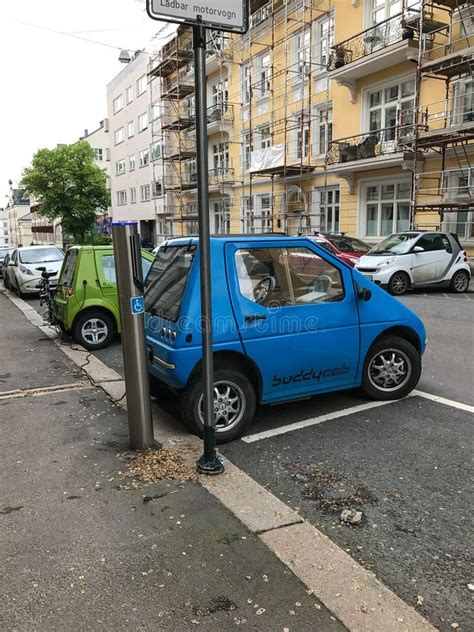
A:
x: 399, y: 283
x: 392, y: 369
x: 94, y: 329
x: 6, y: 282
x: 234, y: 404
x: 459, y: 282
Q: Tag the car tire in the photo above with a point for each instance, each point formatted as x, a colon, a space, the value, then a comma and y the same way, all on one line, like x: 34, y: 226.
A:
x: 238, y: 397
x: 21, y: 294
x: 399, y: 283
x: 392, y: 369
x: 459, y: 282
x: 6, y: 282
x: 94, y: 329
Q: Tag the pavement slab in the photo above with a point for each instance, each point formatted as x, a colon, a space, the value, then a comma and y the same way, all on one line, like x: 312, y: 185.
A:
x: 82, y: 549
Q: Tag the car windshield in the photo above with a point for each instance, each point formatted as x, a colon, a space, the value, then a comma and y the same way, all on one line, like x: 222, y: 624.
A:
x: 40, y: 255
x: 166, y: 281
x: 397, y: 244
x: 349, y: 244
x: 325, y: 245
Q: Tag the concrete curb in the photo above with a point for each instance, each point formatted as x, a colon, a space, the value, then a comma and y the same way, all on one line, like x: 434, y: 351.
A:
x: 351, y: 592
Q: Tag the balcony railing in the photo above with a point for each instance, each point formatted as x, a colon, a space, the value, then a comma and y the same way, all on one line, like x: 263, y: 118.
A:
x: 181, y: 151
x: 369, y: 41
x: 221, y: 175
x: 364, y: 146
x: 184, y: 181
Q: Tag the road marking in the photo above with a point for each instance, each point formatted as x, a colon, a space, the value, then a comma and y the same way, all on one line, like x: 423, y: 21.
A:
x: 44, y: 390
x: 444, y: 400
x: 314, y: 421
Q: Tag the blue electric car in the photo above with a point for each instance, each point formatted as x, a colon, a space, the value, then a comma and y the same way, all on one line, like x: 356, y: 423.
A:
x: 289, y: 320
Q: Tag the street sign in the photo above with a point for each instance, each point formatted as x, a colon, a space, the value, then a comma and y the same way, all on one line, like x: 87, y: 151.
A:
x: 137, y: 305
x: 222, y: 15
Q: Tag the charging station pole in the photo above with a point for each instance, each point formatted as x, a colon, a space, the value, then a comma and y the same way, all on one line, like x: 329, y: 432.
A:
x: 128, y: 266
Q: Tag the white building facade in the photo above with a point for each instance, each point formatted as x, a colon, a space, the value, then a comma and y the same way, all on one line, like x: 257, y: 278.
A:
x: 4, y: 238
x: 135, y: 195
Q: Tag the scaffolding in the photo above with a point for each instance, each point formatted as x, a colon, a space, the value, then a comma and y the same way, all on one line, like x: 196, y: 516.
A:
x: 443, y: 198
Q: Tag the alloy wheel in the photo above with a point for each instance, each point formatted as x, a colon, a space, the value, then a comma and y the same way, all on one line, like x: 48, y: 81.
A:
x: 399, y: 284
x: 389, y: 370
x: 229, y: 405
x: 94, y: 331
x: 460, y: 282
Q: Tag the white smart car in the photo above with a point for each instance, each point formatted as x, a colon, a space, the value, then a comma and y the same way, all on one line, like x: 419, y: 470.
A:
x: 415, y: 259
x: 22, y: 270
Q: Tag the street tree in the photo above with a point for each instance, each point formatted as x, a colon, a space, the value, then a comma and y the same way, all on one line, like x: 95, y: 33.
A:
x: 69, y: 186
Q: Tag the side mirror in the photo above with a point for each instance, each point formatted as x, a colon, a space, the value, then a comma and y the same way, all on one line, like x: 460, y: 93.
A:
x: 364, y: 294
x: 418, y: 249
x: 11, y: 262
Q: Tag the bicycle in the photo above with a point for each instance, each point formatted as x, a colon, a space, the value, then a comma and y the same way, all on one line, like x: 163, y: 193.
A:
x: 46, y: 294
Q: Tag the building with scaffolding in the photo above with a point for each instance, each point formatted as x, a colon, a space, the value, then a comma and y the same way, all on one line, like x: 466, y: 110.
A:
x: 328, y: 115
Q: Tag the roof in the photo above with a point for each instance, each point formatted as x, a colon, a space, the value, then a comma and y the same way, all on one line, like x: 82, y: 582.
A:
x: 194, y: 239
x: 26, y: 218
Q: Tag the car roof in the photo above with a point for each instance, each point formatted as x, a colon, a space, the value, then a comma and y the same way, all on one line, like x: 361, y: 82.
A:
x: 194, y: 239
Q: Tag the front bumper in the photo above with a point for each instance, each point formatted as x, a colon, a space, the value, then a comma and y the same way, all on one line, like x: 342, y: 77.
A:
x: 379, y: 277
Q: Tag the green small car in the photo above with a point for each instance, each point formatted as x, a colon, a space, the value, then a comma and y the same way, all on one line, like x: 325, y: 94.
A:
x: 86, y: 301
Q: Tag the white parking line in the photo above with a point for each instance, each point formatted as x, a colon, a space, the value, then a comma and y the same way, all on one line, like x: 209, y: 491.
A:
x: 314, y: 421
x: 444, y: 400
x: 337, y: 414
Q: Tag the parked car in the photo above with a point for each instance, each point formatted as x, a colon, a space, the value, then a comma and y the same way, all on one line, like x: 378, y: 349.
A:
x: 290, y: 320
x: 86, y: 301
x: 4, y: 252
x: 347, y: 248
x: 22, y: 270
x: 417, y: 259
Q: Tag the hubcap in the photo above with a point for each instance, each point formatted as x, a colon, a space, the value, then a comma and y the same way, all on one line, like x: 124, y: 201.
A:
x: 94, y: 331
x: 389, y: 370
x: 399, y: 284
x: 460, y: 282
x: 229, y: 405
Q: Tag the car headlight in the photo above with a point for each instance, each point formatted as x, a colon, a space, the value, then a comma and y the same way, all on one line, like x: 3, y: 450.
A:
x: 26, y: 271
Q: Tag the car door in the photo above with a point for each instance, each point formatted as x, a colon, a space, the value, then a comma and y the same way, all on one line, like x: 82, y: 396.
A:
x: 11, y: 268
x: 430, y: 265
x: 297, y: 317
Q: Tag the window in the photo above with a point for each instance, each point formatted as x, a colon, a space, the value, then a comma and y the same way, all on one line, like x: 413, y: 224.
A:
x: 324, y: 40
x: 133, y: 195
x: 328, y: 201
x: 121, y: 197
x: 155, y: 111
x: 263, y: 137
x: 387, y: 208
x: 279, y: 277
x: 144, y: 157
x: 220, y: 157
x: 119, y: 167
x: 323, y: 129
x: 117, y: 104
x: 463, y: 108
x: 246, y: 213
x: 220, y: 92
x: 157, y: 187
x: 129, y: 94
x: 247, y: 149
x: 157, y: 150
x: 145, y: 192
x: 264, y: 73
x: 142, y: 122
x: 246, y: 83
x: 384, y: 105
x: 302, y: 137
x: 119, y: 136
x: 301, y: 55
x: 263, y: 209
x: 108, y: 266
x: 221, y: 210
x: 130, y: 129
x: 98, y: 154
x: 381, y: 10
x: 166, y: 280
x: 141, y: 85
x: 131, y: 163
x: 434, y: 242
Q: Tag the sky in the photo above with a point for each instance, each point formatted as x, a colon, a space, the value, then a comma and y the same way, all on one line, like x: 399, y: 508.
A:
x: 53, y: 86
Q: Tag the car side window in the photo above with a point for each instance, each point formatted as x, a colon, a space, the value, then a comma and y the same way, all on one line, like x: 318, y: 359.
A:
x: 433, y: 242
x: 278, y: 277
x: 108, y: 266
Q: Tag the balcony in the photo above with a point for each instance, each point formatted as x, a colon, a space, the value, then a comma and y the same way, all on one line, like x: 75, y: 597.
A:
x: 221, y: 177
x: 379, y: 149
x: 180, y: 182
x: 220, y: 117
x: 379, y: 47
x: 451, y: 190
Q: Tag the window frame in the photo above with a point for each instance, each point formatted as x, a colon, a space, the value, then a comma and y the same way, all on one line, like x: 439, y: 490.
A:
x: 140, y: 82
x: 122, y: 197
x: 119, y: 132
x: 117, y: 104
x: 364, y: 203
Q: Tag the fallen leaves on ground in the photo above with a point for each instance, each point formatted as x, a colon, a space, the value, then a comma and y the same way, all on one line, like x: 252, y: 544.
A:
x: 154, y: 465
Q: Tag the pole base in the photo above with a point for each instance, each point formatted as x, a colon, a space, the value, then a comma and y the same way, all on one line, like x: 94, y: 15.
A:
x: 211, y: 467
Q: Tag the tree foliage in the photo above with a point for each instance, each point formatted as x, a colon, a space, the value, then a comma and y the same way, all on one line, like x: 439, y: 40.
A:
x: 68, y: 186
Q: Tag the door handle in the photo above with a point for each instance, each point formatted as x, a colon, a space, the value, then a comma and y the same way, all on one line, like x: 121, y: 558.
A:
x: 254, y: 317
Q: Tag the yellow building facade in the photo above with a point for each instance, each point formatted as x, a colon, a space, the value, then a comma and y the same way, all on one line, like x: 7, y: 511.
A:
x: 328, y: 115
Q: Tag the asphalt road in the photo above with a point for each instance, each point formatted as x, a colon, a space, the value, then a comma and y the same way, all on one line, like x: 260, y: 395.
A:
x: 406, y: 466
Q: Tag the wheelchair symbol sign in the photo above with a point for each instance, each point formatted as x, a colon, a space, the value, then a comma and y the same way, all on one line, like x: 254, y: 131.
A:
x: 137, y: 305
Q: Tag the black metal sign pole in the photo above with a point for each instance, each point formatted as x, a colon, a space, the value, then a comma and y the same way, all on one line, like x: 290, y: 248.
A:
x: 208, y: 462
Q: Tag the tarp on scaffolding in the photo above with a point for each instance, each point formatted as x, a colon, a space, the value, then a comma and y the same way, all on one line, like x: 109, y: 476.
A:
x: 268, y: 158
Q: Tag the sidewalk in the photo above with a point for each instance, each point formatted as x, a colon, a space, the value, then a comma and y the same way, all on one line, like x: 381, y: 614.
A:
x: 81, y: 548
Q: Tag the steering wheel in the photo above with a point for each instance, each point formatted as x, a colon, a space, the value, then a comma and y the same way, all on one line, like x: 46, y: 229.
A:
x: 263, y: 289
x: 322, y: 283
